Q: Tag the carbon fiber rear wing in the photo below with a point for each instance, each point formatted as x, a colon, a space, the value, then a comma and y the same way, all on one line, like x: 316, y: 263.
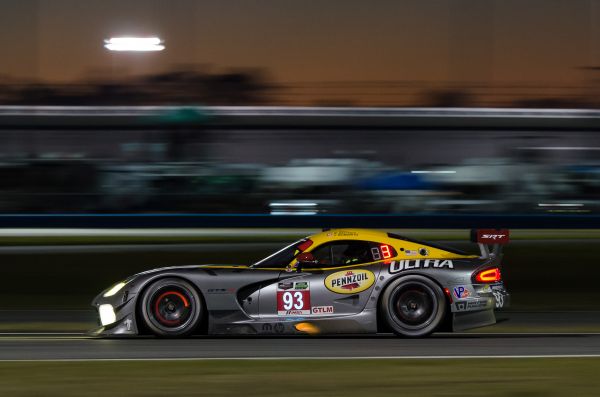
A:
x: 490, y: 238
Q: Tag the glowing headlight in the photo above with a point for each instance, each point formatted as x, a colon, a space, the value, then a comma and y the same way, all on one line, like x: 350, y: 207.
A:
x: 107, y: 314
x: 114, y: 290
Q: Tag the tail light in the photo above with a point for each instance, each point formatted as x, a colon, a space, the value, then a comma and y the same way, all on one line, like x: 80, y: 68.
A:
x: 489, y: 275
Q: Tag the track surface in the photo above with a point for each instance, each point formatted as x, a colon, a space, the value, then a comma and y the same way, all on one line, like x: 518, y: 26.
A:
x: 21, y: 347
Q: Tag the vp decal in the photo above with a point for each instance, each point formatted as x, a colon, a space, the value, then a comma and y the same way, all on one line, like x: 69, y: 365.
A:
x: 350, y: 281
x: 461, y: 292
x: 409, y: 264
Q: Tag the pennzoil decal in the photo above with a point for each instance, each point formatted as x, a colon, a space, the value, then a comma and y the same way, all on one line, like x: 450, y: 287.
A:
x: 350, y: 281
x: 409, y: 264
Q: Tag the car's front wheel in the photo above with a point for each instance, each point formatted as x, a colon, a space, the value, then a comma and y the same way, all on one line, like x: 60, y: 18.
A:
x: 413, y: 306
x: 171, y: 307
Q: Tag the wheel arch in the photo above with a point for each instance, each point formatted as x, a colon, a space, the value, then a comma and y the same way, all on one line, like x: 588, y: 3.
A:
x: 382, y: 325
x: 143, y: 329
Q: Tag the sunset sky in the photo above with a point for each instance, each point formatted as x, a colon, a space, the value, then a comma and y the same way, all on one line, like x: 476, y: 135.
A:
x: 501, y: 41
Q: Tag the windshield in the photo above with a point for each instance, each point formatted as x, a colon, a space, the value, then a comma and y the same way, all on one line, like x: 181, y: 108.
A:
x: 284, y: 256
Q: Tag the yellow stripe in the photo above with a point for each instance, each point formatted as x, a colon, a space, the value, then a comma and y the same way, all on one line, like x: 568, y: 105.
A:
x: 239, y: 267
x: 349, y: 266
x: 284, y: 268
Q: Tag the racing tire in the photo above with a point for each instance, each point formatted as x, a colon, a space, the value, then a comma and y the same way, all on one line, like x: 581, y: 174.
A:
x: 171, y: 308
x: 413, y: 306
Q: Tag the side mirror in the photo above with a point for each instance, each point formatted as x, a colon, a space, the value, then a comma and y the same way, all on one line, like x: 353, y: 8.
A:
x: 304, y: 259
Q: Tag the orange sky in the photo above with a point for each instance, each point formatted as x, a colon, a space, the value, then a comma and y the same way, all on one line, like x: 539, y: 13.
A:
x: 532, y: 41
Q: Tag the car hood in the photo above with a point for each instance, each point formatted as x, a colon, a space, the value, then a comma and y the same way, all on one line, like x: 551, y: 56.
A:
x: 183, y: 267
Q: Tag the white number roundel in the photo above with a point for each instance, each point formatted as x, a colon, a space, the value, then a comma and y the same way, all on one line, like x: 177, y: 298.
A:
x: 293, y: 299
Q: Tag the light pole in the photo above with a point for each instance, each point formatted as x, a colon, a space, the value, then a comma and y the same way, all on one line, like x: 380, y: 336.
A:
x: 134, y: 44
x: 129, y: 44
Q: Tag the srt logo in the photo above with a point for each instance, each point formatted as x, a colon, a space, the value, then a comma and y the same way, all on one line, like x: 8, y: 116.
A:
x: 494, y: 236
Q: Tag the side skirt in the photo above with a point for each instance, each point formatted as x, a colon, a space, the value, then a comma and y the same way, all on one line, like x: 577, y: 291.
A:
x: 462, y: 321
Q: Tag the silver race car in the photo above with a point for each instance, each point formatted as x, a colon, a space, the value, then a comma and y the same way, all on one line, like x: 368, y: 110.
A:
x: 342, y: 281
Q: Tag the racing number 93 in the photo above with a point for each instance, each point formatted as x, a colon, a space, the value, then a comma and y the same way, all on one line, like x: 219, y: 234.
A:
x: 293, y: 301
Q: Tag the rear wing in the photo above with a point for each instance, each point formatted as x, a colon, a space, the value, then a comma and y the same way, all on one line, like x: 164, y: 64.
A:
x: 490, y: 238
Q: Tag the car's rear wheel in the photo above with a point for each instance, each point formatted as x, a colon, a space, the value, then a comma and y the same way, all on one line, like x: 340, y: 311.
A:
x: 171, y: 307
x: 413, y: 306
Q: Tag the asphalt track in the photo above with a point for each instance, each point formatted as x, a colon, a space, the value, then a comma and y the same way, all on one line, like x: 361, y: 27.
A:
x: 74, y: 347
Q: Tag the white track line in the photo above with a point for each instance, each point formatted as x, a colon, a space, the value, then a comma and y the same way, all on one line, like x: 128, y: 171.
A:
x: 42, y: 333
x: 533, y: 356
x: 443, y: 334
x: 496, y: 334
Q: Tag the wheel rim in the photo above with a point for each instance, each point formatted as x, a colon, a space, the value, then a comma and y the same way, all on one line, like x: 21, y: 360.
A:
x: 413, y: 306
x: 171, y: 307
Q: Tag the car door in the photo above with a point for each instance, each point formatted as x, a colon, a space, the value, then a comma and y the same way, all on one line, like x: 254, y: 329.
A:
x: 339, y: 284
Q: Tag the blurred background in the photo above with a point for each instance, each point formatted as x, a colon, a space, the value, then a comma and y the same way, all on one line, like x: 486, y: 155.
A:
x: 143, y: 133
x: 135, y: 134
x: 221, y: 131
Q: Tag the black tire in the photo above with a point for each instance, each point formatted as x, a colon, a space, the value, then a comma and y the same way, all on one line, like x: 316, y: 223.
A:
x: 171, y: 307
x: 413, y: 306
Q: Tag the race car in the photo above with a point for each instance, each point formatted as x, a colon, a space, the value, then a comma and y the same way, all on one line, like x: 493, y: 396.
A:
x: 341, y: 281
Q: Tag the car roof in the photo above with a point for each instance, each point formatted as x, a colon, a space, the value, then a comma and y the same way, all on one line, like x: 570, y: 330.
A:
x: 349, y: 234
x: 383, y: 237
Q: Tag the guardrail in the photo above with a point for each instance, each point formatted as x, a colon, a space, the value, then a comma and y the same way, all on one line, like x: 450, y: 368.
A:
x: 295, y: 117
x: 395, y: 221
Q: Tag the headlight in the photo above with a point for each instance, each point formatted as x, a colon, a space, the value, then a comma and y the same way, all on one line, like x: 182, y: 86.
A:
x: 107, y: 314
x: 114, y: 290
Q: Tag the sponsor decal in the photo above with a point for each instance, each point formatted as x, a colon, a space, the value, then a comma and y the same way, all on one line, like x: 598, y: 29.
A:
x: 350, y: 281
x: 128, y: 323
x: 268, y: 328
x: 293, y: 302
x: 301, y: 285
x: 410, y: 264
x: 285, y: 285
x: 298, y: 285
x: 461, y: 292
x: 322, y: 310
x: 470, y: 305
x: 492, y: 236
x: 293, y: 312
x: 221, y: 290
x: 410, y: 252
x: 344, y: 233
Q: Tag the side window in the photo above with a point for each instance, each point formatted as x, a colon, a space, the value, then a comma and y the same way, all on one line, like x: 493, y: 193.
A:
x: 351, y: 253
x: 323, y: 255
